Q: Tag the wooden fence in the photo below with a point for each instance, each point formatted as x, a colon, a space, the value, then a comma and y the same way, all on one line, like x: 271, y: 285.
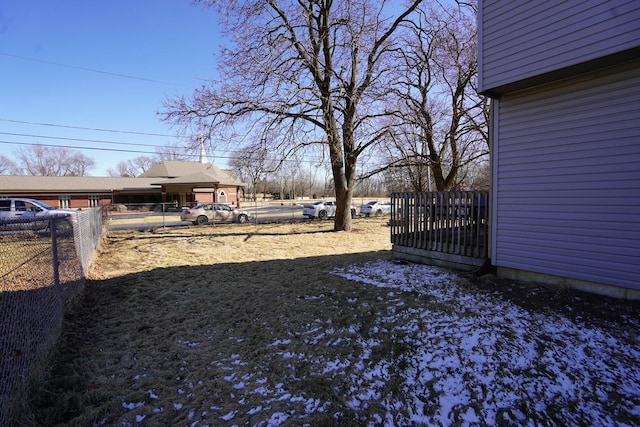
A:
x: 455, y: 223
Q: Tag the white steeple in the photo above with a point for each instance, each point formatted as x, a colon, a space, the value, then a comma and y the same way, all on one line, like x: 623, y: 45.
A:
x: 203, y: 153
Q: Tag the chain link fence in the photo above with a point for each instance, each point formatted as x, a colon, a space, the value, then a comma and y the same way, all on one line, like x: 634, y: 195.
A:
x: 122, y: 216
x: 43, y: 265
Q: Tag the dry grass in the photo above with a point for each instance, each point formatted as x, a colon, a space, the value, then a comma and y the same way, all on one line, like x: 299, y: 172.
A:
x: 232, y: 243
x: 26, y: 261
x: 246, y: 325
x: 169, y: 312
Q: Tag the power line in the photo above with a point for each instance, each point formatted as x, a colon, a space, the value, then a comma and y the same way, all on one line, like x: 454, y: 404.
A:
x: 76, y: 139
x: 89, y: 129
x: 111, y: 142
x: 92, y: 70
x: 120, y: 150
x: 98, y: 141
x: 86, y: 128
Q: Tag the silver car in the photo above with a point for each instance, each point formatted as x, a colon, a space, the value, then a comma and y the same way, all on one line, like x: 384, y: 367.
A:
x: 19, y: 213
x: 213, y: 212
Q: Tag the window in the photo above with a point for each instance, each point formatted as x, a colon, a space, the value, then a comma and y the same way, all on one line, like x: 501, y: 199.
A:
x: 5, y: 205
x: 31, y: 207
x: 20, y: 205
x: 64, y: 202
x: 94, y: 200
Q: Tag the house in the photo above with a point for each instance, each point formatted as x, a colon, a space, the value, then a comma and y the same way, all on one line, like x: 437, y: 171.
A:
x: 179, y: 182
x: 564, y: 78
x: 188, y: 182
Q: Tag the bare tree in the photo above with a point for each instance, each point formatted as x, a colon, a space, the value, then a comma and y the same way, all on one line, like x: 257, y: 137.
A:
x: 118, y: 171
x: 305, y: 181
x: 478, y: 176
x: 43, y: 160
x: 441, y: 123
x: 8, y: 166
x: 176, y: 151
x: 312, y: 71
x: 138, y: 165
x: 132, y: 167
x: 251, y: 165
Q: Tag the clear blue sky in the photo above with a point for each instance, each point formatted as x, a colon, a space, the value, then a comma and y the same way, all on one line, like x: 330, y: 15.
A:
x: 99, y: 65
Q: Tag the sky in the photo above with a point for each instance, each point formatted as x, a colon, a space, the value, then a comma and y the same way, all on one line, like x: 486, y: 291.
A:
x: 73, y: 68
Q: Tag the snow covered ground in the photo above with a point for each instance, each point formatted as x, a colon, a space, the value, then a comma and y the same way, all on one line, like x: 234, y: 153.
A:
x: 464, y: 359
x: 490, y: 362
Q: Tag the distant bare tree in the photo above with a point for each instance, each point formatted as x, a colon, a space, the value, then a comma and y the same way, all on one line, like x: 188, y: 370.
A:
x: 116, y: 172
x: 305, y: 182
x: 314, y: 71
x: 478, y: 176
x: 251, y: 165
x: 138, y: 165
x: 43, y: 160
x: 176, y: 151
x: 287, y: 175
x: 132, y: 167
x: 8, y: 166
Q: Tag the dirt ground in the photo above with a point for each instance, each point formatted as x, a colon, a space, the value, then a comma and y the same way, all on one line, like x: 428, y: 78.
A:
x: 173, y: 323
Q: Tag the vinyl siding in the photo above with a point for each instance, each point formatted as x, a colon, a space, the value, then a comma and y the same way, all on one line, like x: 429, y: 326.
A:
x: 523, y: 39
x: 567, y: 183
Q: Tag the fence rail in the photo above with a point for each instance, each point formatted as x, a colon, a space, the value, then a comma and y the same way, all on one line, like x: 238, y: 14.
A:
x: 453, y: 222
x: 43, y: 265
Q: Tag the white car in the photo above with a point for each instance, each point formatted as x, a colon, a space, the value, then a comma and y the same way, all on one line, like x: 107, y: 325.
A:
x: 205, y: 212
x: 323, y: 209
x: 376, y: 207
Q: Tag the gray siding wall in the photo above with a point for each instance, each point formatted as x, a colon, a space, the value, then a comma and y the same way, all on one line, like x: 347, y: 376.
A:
x: 521, y: 39
x: 567, y: 179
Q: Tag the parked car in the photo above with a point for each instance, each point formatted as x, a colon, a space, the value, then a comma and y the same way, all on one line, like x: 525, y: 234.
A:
x: 19, y: 213
x: 323, y: 209
x: 205, y: 212
x: 375, y: 207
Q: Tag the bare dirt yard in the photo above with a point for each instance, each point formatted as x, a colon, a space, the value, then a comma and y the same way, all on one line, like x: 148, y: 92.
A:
x: 292, y: 324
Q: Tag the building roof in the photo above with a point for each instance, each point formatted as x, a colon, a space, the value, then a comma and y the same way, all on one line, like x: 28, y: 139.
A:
x: 175, y: 168
x: 163, y: 173
x: 72, y: 183
x: 199, y: 178
x: 177, y: 172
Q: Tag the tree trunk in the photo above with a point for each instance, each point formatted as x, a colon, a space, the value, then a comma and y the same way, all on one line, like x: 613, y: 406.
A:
x: 343, y: 188
x: 339, y: 148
